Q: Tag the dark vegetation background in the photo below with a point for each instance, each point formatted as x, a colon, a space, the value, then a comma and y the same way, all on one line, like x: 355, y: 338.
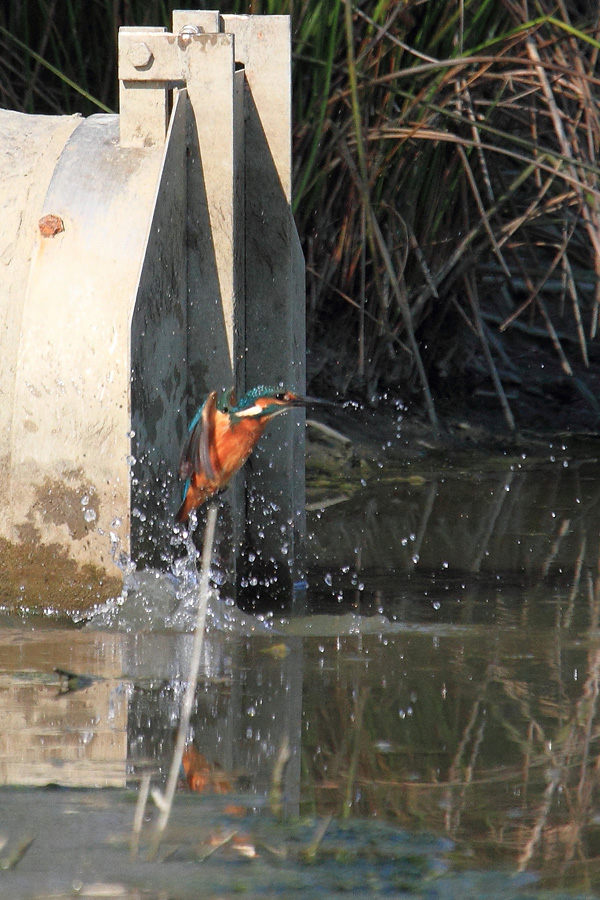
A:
x: 446, y: 188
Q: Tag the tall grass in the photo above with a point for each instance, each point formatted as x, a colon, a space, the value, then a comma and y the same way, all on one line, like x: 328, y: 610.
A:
x: 446, y: 186
x: 453, y: 194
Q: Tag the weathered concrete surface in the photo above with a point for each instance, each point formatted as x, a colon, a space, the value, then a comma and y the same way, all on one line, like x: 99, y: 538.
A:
x: 46, y: 734
x: 30, y: 147
x: 67, y: 416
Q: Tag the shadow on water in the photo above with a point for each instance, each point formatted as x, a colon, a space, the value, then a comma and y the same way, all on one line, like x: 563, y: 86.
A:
x: 440, y: 702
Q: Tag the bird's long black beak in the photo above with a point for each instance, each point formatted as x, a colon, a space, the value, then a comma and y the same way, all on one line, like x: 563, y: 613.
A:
x: 317, y: 401
x: 314, y: 401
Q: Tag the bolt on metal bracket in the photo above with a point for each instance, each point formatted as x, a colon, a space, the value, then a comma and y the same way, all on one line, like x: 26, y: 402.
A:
x: 151, y: 63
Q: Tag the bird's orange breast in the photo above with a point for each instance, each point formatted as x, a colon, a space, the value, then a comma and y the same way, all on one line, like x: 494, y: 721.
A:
x: 231, y: 443
x: 234, y: 440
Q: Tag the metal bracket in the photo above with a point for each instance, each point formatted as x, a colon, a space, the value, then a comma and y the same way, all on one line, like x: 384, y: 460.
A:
x: 152, y: 62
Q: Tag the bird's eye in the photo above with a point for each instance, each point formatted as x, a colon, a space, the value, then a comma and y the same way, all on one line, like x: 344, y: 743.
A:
x: 281, y: 396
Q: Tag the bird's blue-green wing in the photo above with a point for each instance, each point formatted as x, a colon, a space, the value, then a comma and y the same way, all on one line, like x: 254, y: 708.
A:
x: 195, y: 455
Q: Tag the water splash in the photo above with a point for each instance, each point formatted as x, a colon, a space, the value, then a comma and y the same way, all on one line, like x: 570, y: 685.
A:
x: 154, y: 600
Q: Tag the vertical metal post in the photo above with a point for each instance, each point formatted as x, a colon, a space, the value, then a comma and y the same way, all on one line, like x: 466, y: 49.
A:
x: 275, y: 294
x: 215, y: 234
x: 214, y: 288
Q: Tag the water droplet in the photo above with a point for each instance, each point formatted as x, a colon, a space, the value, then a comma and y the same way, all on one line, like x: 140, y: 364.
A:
x: 90, y: 515
x: 328, y: 579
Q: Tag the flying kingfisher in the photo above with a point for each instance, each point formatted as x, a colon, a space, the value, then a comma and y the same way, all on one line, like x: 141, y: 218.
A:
x: 222, y: 436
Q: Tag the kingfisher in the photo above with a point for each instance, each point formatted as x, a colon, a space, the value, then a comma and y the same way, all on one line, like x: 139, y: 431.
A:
x: 221, y: 437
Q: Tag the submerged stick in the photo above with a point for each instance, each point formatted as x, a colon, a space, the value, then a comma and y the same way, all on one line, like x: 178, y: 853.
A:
x: 140, y: 809
x: 190, y: 691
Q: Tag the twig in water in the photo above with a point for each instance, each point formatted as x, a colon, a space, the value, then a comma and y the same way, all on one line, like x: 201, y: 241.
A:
x: 220, y: 842
x: 140, y: 809
x: 311, y: 851
x: 276, y: 791
x: 166, y: 800
x: 359, y: 708
x: 11, y: 860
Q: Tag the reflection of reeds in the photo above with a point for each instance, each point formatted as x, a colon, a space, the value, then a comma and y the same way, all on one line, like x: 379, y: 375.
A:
x: 500, y: 498
x: 500, y: 749
x: 571, y: 754
x: 461, y: 773
x: 567, y: 617
x: 497, y: 518
x: 360, y: 700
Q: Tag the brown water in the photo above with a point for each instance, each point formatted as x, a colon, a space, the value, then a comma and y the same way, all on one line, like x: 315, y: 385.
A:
x: 439, y: 696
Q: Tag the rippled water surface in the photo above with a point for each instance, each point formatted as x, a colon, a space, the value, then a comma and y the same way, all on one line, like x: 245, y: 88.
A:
x: 437, y: 688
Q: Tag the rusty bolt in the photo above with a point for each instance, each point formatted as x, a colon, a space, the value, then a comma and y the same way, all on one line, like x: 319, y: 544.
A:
x: 51, y: 225
x: 140, y: 55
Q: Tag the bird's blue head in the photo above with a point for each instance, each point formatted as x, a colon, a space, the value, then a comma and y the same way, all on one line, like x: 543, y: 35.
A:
x: 265, y: 402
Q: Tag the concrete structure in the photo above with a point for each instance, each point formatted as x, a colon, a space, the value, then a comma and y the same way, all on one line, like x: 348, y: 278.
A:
x: 148, y: 258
